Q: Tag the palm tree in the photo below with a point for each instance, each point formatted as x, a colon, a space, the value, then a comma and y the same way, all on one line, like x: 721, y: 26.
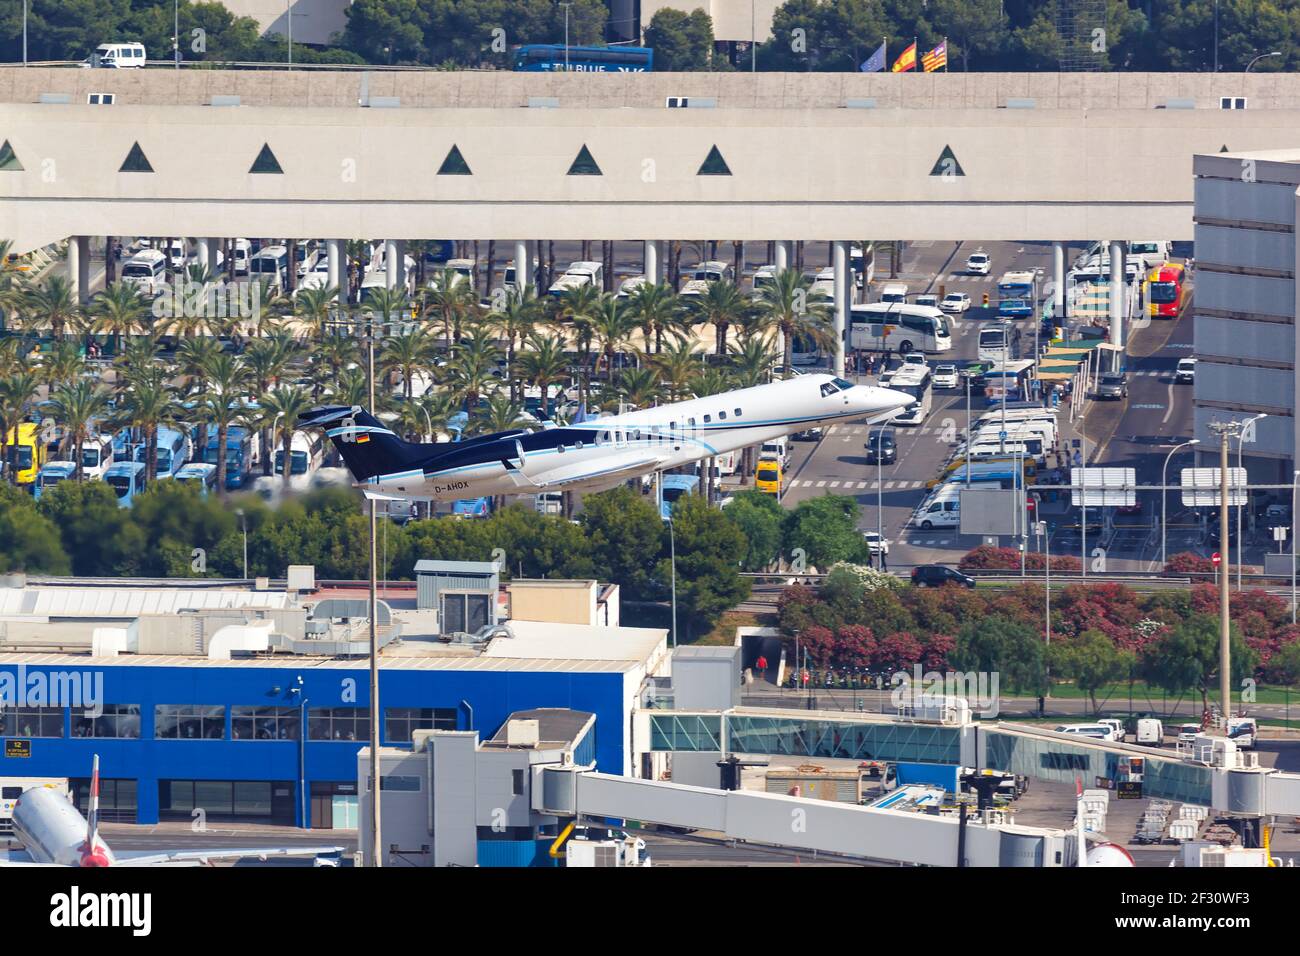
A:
x: 500, y: 415
x: 76, y: 406
x: 12, y: 287
x: 267, y: 358
x: 388, y: 305
x: 788, y: 305
x: 677, y: 366
x: 471, y: 369
x: 426, y: 415
x: 285, y: 405
x: 195, y: 356
x: 542, y: 365
x: 9, y: 358
x: 147, y: 405
x: 612, y: 325
x: 709, y: 381
x: 451, y: 300
x: 519, y: 315
x: 408, y: 354
x: 578, y: 306
x: 315, y: 307
x: 221, y: 404
x: 61, y: 364
x: 329, y: 358
x: 752, y: 359
x: 656, y: 307
x: 640, y: 387
x: 17, y: 393
x: 54, y: 304
x: 120, y: 310
x: 721, y: 305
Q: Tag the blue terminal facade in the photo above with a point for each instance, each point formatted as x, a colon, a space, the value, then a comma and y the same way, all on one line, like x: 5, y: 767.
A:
x: 227, y: 739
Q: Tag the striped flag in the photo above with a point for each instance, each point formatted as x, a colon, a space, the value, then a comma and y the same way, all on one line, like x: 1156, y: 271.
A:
x: 906, y: 60
x: 935, y: 58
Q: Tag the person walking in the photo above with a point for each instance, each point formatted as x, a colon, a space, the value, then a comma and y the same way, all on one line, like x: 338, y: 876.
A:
x: 760, y: 665
x: 884, y: 558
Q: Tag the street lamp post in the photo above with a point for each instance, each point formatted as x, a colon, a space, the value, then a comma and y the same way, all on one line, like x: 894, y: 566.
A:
x: 1248, y: 424
x: 376, y: 847
x: 1216, y: 36
x: 25, y: 5
x: 1262, y: 56
x: 672, y: 558
x: 1164, y: 495
x: 566, y: 35
x: 244, y: 528
x: 1295, y: 477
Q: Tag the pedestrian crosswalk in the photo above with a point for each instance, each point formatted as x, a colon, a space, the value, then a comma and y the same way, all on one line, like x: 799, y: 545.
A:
x: 842, y: 485
x: 963, y: 277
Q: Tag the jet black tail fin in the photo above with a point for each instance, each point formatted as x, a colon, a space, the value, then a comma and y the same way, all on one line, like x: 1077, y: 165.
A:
x: 369, y: 448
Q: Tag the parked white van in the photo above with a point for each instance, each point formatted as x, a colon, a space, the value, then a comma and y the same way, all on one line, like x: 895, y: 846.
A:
x: 894, y: 292
x: 272, y: 263
x: 1152, y: 252
x: 118, y: 56
x: 943, y: 510
x: 147, y: 271
x: 240, y: 252
x: 1099, y: 731
x: 778, y: 448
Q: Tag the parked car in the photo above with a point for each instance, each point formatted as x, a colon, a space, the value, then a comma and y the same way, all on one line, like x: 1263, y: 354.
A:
x: 945, y: 376
x: 1186, y: 371
x: 1112, y: 386
x: 809, y: 434
x: 955, y: 302
x: 937, y: 575
x: 881, y: 447
x: 978, y: 264
x: 914, y: 358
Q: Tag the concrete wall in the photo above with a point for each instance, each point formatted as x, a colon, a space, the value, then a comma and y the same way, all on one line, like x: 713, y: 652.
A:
x: 492, y: 89
x: 816, y: 174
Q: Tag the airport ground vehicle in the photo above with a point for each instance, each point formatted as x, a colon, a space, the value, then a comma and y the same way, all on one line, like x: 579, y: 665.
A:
x: 1150, y: 731
x: 940, y: 510
x: 96, y: 456
x: 127, y: 479
x: 768, y: 476
x: 863, y: 263
x: 25, y: 452
x: 201, y: 474
x: 557, y: 58
x: 914, y: 380
x: 937, y: 575
x: 1111, y: 386
x: 577, y: 275
x: 270, y: 263
x: 1186, y: 371
x: 306, y: 452
x: 1151, y: 252
x: 241, y: 445
x: 955, y: 302
x: 895, y: 293
x: 1028, y: 466
x: 997, y: 343
x: 51, y: 474
x: 1016, y: 295
x: 978, y: 264
x: 147, y: 271
x: 173, y: 450
x: 881, y: 447
x: 1003, y: 473
x: 945, y: 376
x: 118, y: 56
x: 705, y: 274
x: 1100, y: 731
x: 778, y: 448
x: 1008, y: 380
x: 1243, y: 731
x: 1166, y: 291
x: 674, y: 487
x: 899, y: 326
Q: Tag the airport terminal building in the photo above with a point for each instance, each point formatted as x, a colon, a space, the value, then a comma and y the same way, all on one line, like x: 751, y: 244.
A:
x: 252, y: 704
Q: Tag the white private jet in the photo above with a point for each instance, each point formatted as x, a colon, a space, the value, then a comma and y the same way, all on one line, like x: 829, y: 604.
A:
x: 594, y: 454
x: 53, y: 833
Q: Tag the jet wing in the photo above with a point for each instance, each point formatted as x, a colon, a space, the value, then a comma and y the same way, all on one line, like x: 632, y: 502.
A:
x: 150, y: 858
x: 627, y: 464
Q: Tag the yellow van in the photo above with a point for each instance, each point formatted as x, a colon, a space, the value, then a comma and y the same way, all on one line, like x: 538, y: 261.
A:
x: 767, y: 476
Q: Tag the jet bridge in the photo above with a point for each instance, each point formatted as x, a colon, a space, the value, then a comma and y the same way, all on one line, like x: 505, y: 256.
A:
x: 891, y: 836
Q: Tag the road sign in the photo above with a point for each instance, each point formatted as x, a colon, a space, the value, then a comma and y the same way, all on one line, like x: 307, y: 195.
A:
x: 1200, y: 487
x: 1279, y: 533
x: 1215, y: 559
x: 1002, y: 436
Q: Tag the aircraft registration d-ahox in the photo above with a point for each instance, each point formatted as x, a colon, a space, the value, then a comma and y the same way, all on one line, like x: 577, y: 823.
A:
x: 597, y: 453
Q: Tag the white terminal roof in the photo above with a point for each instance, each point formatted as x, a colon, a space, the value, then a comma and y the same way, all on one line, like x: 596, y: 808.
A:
x: 296, y: 662
x: 100, y: 602
x: 578, y: 642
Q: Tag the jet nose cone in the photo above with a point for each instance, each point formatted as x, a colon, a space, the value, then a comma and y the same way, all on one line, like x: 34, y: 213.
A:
x: 888, y: 398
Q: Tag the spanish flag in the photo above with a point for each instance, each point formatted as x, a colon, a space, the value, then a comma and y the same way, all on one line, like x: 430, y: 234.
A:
x: 935, y: 58
x: 906, y: 61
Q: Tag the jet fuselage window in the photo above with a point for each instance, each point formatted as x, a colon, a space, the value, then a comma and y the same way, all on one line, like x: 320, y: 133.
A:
x: 722, y: 416
x: 707, y: 419
x: 738, y: 413
x: 829, y: 389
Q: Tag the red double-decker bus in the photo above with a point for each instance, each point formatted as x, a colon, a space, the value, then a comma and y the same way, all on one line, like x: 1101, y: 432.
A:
x: 1166, y: 290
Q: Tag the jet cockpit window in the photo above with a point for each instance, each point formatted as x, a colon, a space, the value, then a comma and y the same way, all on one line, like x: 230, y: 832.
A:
x: 843, y: 384
x: 829, y: 389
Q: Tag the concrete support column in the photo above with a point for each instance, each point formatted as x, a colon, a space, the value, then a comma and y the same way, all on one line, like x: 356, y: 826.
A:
x: 79, y: 267
x: 533, y: 253
x: 215, y: 261
x: 653, y: 266
x: 523, y: 264
x: 337, y: 251
x: 201, y: 248
x: 395, y: 262
x: 1058, y: 282
x: 784, y: 254
x: 840, y: 253
x: 1117, y: 303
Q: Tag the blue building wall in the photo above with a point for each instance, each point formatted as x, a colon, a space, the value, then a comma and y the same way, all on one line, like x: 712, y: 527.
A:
x: 492, y: 695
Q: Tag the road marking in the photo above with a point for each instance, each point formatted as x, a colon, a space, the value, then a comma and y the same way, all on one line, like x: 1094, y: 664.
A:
x: 835, y: 484
x: 821, y: 484
x: 862, y: 484
x: 1170, y: 410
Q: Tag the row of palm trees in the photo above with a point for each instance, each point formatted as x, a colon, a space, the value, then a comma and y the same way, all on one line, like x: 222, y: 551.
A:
x: 444, y: 353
